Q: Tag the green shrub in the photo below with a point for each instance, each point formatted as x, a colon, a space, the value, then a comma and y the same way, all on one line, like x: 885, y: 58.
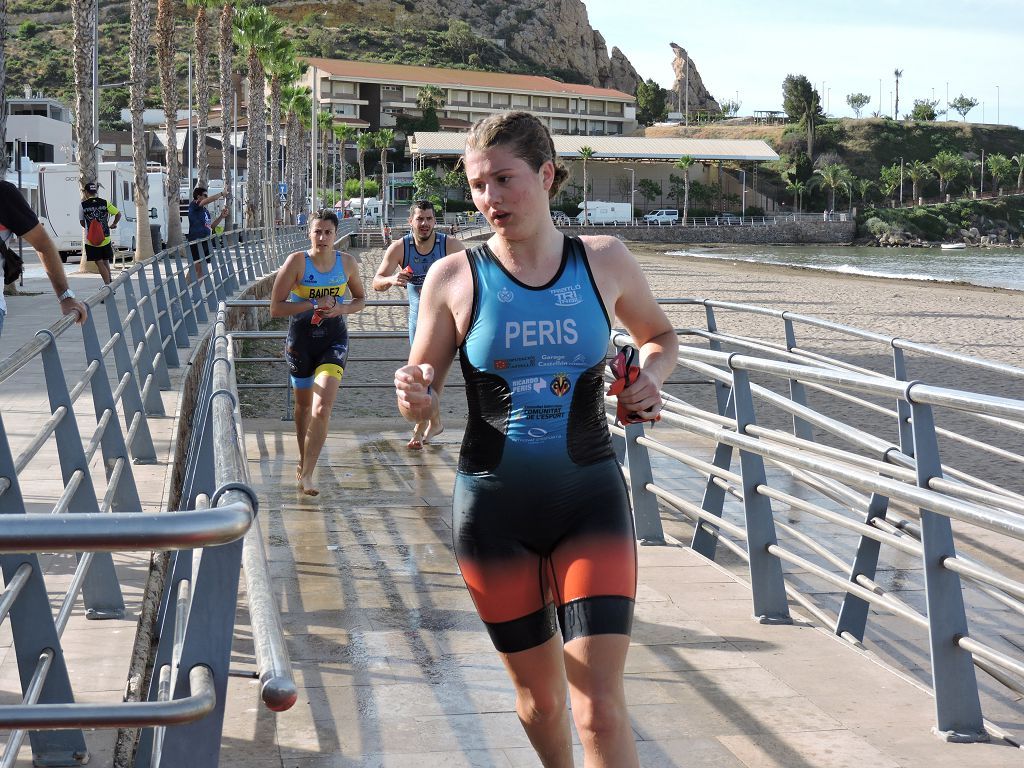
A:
x: 877, y: 227
x: 27, y: 29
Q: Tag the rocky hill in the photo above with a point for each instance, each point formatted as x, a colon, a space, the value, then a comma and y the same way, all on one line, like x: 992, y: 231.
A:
x: 549, y: 37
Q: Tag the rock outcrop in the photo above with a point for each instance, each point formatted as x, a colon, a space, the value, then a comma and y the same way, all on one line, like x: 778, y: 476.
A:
x: 688, y: 78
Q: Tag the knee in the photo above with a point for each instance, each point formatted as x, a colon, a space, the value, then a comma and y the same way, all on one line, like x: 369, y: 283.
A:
x: 540, y: 707
x: 600, y: 717
x: 321, y: 411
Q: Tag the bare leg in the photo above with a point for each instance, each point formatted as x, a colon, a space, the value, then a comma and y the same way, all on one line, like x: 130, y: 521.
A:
x: 539, y: 679
x: 103, y: 266
x: 325, y: 390
x: 303, y: 406
x: 594, y: 667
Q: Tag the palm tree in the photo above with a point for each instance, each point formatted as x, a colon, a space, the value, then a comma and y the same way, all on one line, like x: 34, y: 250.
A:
x: 256, y: 30
x: 297, y: 102
x: 138, y: 64
x: 429, y: 99
x: 324, y: 125
x: 343, y: 133
x: 364, y: 142
x: 898, y: 73
x: 832, y: 176
x: 947, y: 165
x: 684, y: 164
x: 1000, y: 168
x: 383, y: 140
x: 863, y: 187
x: 83, y: 17
x: 225, y: 54
x: 586, y: 153
x: 165, y: 48
x: 918, y: 172
x: 3, y: 87
x: 1018, y: 159
x: 201, y: 49
x: 281, y: 66
x: 796, y: 189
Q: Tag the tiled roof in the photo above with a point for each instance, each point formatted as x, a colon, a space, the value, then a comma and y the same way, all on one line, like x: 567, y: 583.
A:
x: 405, y: 74
x: 615, y: 147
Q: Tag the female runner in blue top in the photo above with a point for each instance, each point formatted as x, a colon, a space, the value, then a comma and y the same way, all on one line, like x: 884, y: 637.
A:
x: 310, y: 289
x: 541, y: 522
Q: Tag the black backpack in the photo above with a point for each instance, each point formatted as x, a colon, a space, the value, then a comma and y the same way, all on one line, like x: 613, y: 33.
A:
x: 14, y: 265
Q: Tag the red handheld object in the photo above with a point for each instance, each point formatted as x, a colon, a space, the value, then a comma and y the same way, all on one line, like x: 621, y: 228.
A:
x: 625, y: 374
x: 408, y: 270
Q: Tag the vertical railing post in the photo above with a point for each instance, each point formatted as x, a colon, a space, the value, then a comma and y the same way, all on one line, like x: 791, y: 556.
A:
x: 179, y: 312
x: 705, y: 535
x: 853, y: 614
x: 141, y: 445
x: 212, y: 277
x: 152, y: 358
x: 767, y: 581
x: 167, y: 341
x: 101, y: 590
x: 33, y: 632
x: 797, y: 391
x: 112, y: 444
x: 721, y: 388
x: 903, y: 409
x: 957, y: 703
x: 191, y: 286
x: 646, y: 517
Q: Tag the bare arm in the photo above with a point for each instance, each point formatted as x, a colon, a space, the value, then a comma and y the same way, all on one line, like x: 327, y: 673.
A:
x: 388, y: 273
x: 48, y: 255
x: 444, y: 312
x: 453, y: 246
x: 626, y: 293
x: 289, y: 274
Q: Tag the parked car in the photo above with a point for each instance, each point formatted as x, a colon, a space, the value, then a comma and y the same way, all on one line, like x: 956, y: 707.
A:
x: 663, y: 216
x: 728, y: 219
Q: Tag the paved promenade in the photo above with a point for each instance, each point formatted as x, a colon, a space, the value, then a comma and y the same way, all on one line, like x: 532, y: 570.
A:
x: 395, y: 669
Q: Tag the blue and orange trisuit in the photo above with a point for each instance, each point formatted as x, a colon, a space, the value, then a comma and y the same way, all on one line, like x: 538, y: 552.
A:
x: 541, y: 520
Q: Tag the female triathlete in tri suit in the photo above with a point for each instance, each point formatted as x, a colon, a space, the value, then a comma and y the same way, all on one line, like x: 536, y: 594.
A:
x: 310, y: 288
x: 541, y: 520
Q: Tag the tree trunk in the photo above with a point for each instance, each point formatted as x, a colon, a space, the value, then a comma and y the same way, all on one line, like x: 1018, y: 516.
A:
x: 384, y: 183
x: 202, y: 52
x: 169, y: 91
x: 256, y: 131
x: 275, y: 138
x: 83, y: 16
x: 586, y: 217
x: 686, y: 195
x: 226, y: 50
x: 4, y: 160
x: 138, y: 62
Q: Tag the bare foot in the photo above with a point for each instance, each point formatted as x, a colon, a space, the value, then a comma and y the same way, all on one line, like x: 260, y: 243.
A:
x: 416, y: 443
x: 434, y: 428
x: 306, y: 483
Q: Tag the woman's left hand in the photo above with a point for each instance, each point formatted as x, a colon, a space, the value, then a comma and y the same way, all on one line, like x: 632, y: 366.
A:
x: 642, y: 397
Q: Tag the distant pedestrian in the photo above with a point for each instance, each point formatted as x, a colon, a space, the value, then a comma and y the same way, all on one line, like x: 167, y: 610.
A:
x: 300, y: 220
x: 18, y: 220
x: 94, y: 216
x: 200, y: 225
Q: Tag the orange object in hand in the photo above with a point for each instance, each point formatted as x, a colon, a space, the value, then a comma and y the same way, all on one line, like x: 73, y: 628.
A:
x: 625, y: 374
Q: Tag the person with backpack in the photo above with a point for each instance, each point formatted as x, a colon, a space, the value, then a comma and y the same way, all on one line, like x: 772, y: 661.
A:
x: 94, y: 216
x: 18, y: 220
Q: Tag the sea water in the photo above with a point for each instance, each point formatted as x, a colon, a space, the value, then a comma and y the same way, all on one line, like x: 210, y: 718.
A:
x: 988, y: 267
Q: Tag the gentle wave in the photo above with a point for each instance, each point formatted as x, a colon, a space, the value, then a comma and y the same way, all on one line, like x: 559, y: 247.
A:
x: 979, y: 275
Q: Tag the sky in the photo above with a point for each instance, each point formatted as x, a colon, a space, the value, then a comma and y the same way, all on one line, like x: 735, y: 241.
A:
x: 745, y: 48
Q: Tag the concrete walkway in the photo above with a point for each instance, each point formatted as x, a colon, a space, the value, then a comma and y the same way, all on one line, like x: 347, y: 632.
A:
x: 395, y: 668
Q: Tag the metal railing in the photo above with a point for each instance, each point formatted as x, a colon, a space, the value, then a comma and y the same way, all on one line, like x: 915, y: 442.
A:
x: 161, y: 304
x: 858, y: 505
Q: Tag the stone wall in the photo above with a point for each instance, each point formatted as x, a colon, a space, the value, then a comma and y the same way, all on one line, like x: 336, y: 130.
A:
x: 782, y: 233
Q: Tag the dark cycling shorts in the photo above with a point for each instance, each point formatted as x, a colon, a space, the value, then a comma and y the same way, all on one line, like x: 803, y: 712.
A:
x: 546, y: 549
x: 196, y: 246
x: 311, y: 350
x: 99, y: 252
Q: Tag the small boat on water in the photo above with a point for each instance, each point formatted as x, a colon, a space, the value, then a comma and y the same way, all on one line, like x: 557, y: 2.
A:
x: 952, y: 246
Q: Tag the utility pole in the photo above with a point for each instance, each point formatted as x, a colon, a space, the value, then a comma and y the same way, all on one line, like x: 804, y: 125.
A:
x: 686, y: 120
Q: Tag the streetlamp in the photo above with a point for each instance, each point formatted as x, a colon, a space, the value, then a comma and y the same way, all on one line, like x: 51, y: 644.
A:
x: 743, y: 195
x: 828, y: 100
x: 632, y: 186
x: 901, y: 182
x: 997, y: 105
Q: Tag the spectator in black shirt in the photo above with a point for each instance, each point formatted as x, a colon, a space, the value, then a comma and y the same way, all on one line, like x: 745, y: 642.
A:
x: 17, y: 219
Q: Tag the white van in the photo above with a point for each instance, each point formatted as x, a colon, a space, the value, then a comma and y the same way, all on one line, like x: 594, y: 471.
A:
x: 663, y: 216
x: 366, y: 209
x: 60, y: 196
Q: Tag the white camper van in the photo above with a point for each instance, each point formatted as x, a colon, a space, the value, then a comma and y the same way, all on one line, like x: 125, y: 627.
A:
x: 60, y: 195
x: 366, y: 209
x: 599, y: 212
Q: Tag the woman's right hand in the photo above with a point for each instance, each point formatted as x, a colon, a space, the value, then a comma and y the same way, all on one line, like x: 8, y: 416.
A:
x: 412, y: 388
